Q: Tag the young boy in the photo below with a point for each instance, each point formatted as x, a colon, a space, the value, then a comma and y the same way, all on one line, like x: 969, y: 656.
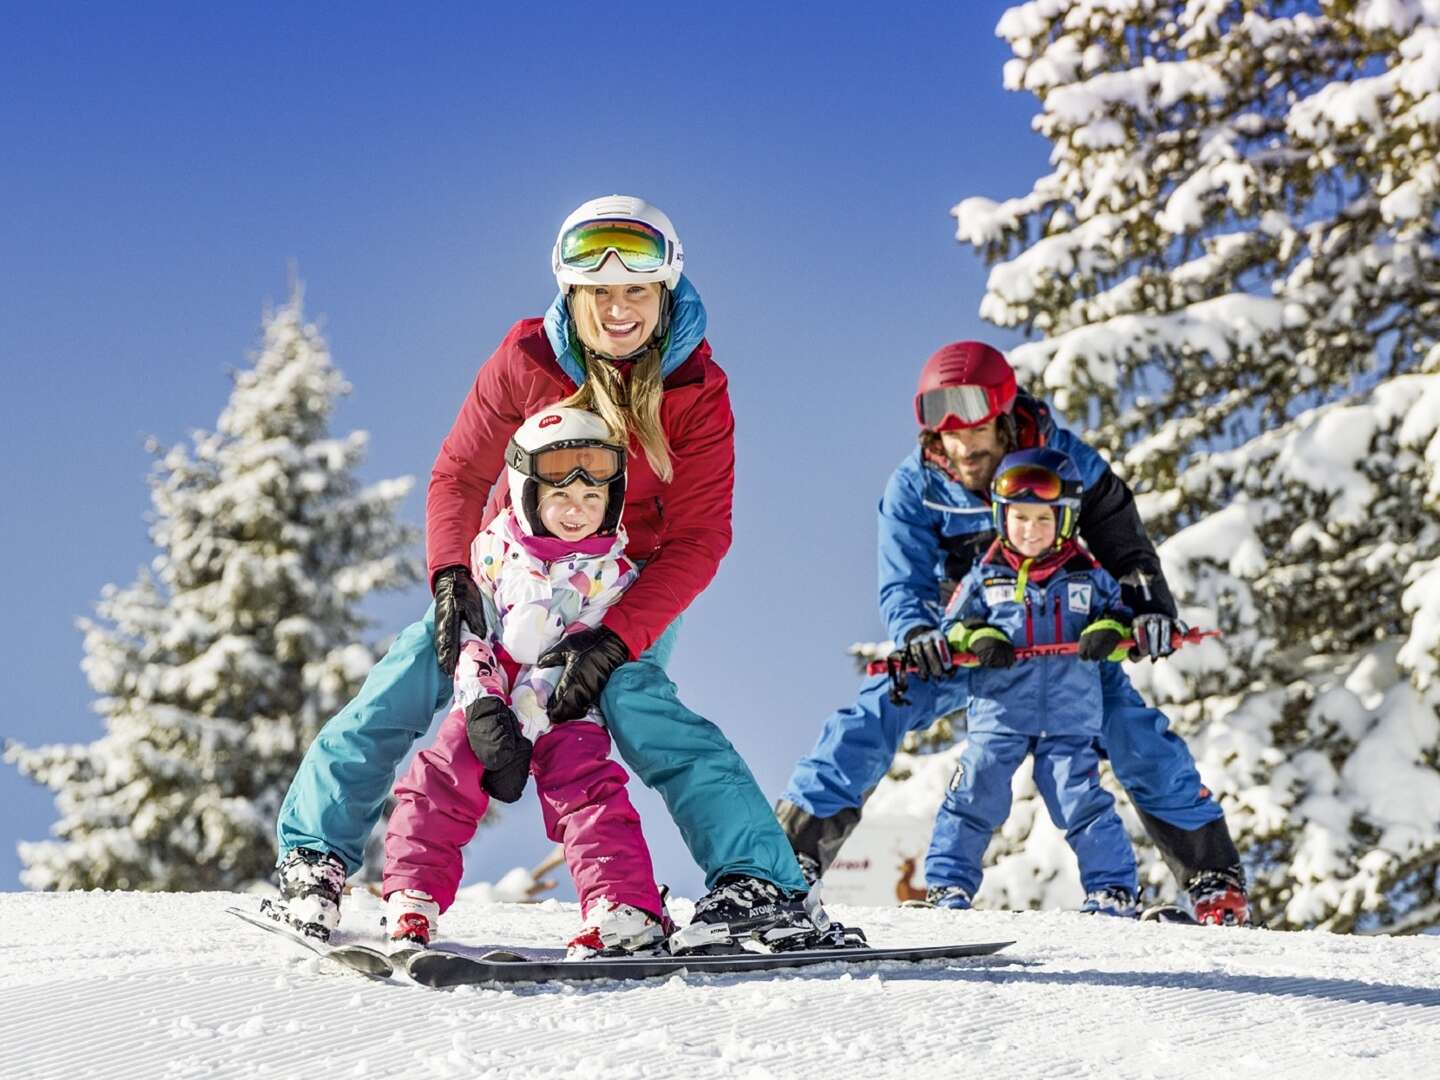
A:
x: 551, y: 564
x: 1035, y: 586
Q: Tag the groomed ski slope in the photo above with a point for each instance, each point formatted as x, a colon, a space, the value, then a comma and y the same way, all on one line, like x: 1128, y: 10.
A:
x: 120, y: 985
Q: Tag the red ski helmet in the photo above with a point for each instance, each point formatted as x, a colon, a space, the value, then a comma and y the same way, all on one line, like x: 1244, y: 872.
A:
x: 965, y: 384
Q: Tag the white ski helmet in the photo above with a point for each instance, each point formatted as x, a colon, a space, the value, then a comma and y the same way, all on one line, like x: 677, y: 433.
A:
x: 557, y: 446
x: 617, y: 240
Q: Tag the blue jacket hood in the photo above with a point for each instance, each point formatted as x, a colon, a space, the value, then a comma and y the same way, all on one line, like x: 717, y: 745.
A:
x: 687, y: 330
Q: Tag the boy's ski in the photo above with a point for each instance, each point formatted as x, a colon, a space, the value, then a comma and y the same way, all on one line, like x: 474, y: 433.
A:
x: 361, y: 958
x: 434, y: 967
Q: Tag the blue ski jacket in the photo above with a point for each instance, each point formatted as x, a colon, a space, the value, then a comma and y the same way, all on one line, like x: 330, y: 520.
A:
x: 933, y: 529
x: 1045, y: 695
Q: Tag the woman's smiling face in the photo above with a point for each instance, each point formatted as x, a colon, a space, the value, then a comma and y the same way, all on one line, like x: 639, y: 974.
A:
x: 626, y: 317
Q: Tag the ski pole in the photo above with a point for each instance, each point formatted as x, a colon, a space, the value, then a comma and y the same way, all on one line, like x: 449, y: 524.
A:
x: 898, y: 666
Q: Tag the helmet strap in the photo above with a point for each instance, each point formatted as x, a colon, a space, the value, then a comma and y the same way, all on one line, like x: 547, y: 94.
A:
x: 532, y: 508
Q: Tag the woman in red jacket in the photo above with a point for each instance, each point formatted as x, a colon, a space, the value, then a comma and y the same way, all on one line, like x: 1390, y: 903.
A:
x: 624, y: 338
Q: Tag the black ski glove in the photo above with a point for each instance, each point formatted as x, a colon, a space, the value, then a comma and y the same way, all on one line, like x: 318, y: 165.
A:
x: 929, y: 652
x: 494, y: 735
x: 1099, y: 639
x: 992, y: 647
x: 1155, y: 636
x: 589, y: 657
x: 457, y: 603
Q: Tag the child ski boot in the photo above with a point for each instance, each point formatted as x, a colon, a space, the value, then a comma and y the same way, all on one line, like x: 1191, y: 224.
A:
x: 412, y: 917
x: 310, y: 885
x: 1117, y: 902
x: 615, y: 929
x: 947, y: 896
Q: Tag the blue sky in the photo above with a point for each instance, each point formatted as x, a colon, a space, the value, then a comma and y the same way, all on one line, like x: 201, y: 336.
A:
x: 164, y: 166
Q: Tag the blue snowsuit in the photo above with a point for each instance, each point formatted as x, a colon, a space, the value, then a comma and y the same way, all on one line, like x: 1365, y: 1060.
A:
x: 932, y: 530
x: 1049, y: 706
x: 339, y: 791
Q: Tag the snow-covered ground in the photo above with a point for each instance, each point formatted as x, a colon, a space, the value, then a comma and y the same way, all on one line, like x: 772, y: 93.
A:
x: 121, y: 985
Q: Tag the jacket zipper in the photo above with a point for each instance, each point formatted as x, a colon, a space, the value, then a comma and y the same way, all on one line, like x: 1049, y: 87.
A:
x: 1029, y: 623
x: 1059, y: 622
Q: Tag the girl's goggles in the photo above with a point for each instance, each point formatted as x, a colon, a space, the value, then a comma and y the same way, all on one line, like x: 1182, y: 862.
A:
x: 641, y: 247
x: 1041, y: 483
x: 949, y: 407
x: 560, y: 464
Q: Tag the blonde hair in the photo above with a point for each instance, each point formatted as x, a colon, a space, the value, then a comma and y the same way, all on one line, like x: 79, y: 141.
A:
x: 632, y: 410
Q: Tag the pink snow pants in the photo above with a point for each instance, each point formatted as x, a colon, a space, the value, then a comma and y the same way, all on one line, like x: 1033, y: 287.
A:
x: 582, y: 798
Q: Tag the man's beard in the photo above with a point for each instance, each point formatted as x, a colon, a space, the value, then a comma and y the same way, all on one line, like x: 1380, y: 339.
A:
x: 977, y: 471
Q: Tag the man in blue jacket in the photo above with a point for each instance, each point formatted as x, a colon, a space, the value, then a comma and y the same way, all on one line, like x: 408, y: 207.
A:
x: 935, y: 522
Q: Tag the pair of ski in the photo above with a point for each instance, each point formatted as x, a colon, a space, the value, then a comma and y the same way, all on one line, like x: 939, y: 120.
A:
x: 437, y: 968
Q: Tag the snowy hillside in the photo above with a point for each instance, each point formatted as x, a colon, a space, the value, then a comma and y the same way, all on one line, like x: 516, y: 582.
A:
x: 122, y: 985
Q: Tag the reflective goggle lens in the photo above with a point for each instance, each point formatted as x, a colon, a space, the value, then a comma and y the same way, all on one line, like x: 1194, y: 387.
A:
x: 558, y: 467
x: 970, y: 404
x: 641, y: 247
x: 1029, y: 479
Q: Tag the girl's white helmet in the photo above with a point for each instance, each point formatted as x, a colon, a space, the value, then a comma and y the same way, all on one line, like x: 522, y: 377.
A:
x: 559, y: 445
x: 641, y: 246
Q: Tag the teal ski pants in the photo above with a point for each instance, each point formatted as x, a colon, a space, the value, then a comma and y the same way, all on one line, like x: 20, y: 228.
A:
x: 338, y: 793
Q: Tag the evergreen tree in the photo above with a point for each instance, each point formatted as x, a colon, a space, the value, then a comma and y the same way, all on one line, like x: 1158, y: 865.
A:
x: 1232, y: 270
x: 218, y: 665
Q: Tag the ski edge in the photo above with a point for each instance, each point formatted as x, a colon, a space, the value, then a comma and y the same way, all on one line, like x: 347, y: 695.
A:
x: 361, y: 959
x: 439, y: 969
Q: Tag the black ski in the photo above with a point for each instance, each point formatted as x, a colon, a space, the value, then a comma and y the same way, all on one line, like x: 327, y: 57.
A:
x: 361, y: 958
x: 1171, y: 913
x: 435, y: 967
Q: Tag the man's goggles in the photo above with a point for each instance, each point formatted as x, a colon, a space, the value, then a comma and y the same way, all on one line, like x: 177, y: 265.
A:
x: 562, y: 463
x: 640, y: 246
x: 969, y: 405
x: 1041, y: 483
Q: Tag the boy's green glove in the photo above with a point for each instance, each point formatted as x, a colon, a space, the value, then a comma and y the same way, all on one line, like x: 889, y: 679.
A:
x: 1100, y: 641
x: 990, y: 645
x: 958, y: 634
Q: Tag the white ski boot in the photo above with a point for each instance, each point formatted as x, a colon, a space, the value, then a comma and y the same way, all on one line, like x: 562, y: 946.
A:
x: 310, y: 885
x: 614, y: 929
x: 412, y: 916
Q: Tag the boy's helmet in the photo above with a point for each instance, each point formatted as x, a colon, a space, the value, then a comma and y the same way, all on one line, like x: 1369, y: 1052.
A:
x: 1042, y: 477
x: 964, y: 385
x: 617, y: 240
x: 558, y: 446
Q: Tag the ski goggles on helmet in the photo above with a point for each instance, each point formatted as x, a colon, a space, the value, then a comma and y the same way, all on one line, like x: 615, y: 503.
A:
x: 949, y: 407
x: 562, y: 463
x: 641, y: 247
x: 1018, y: 481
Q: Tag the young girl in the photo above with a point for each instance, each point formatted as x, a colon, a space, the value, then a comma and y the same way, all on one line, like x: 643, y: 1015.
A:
x: 550, y: 565
x: 1035, y: 586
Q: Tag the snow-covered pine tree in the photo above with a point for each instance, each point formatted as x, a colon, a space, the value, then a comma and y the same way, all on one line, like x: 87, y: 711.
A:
x: 1233, y: 273
x: 218, y: 665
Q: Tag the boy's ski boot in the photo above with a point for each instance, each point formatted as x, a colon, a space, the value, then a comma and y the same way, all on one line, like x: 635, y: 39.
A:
x: 947, y: 896
x: 412, y: 917
x: 310, y: 885
x: 1121, y: 903
x: 748, y: 914
x: 1217, y: 897
x: 615, y: 929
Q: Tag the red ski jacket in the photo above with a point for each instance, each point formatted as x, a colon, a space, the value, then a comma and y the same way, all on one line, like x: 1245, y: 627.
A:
x: 680, y: 530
